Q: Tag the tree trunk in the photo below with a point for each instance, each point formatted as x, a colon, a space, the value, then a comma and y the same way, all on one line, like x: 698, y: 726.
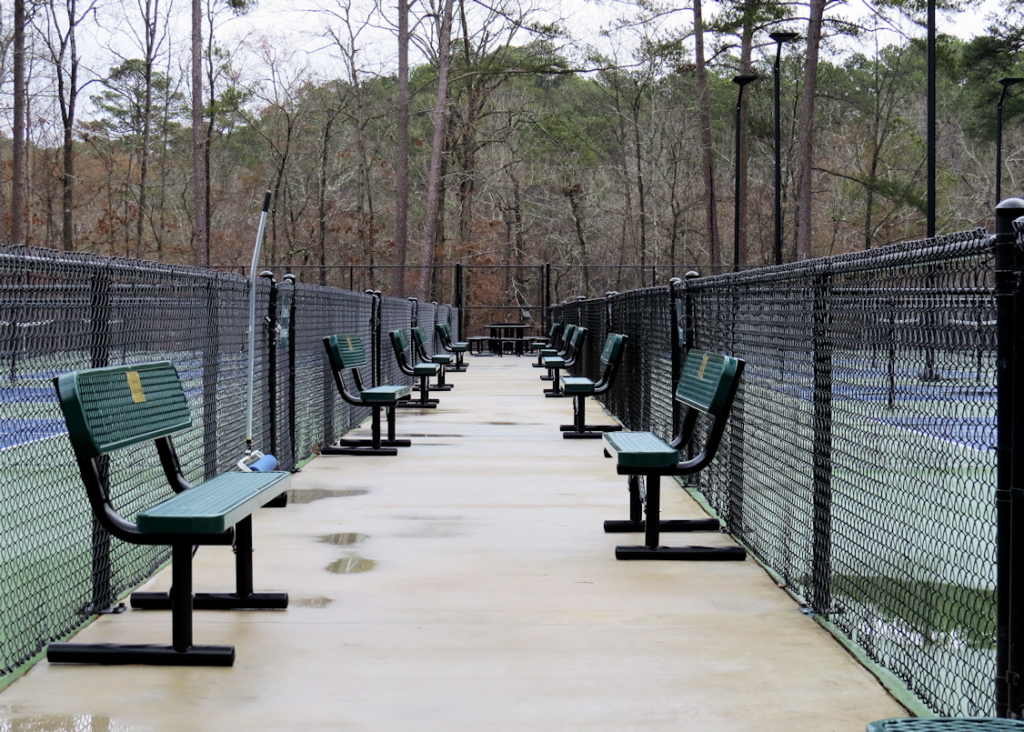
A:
x: 402, y: 152
x: 150, y: 10
x: 641, y: 199
x: 201, y: 237
x: 805, y: 133
x: 17, y: 237
x: 68, y: 91
x: 434, y: 182
x: 746, y: 45
x: 707, y: 157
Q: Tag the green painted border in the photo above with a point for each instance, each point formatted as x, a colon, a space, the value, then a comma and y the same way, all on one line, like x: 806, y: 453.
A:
x: 889, y: 681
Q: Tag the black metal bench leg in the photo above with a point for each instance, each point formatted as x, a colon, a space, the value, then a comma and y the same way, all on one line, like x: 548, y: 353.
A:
x: 243, y: 598
x: 440, y: 384
x: 556, y: 386
x: 181, y: 652
x: 579, y: 429
x: 652, y: 528
x: 373, y: 446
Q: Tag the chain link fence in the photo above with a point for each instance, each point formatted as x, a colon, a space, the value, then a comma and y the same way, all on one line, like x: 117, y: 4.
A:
x: 859, y: 465
x: 64, y: 312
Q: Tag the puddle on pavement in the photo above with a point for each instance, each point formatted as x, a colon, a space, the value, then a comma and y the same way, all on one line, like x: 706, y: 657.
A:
x: 342, y: 539
x: 61, y: 723
x: 317, y: 603
x: 351, y: 565
x: 308, y: 495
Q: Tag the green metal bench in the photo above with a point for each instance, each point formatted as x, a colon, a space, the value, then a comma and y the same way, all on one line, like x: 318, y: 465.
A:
x: 442, y: 360
x: 456, y: 348
x: 546, y: 346
x: 346, y: 353
x: 555, y: 364
x: 420, y: 370
x: 580, y: 387
x: 946, y: 724
x: 708, y: 387
x: 109, y: 409
x: 559, y: 344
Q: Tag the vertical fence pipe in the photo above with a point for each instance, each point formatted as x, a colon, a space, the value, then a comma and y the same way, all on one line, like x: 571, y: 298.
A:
x: 272, y: 331
x: 1015, y: 662
x: 99, y: 356
x: 821, y: 568
x: 1005, y: 283
x: 292, y: 417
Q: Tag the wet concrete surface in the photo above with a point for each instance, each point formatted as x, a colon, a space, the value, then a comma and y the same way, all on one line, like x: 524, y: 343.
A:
x: 491, y: 599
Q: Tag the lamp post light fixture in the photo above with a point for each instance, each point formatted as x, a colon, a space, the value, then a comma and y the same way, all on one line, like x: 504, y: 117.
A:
x: 1007, y: 82
x: 740, y: 81
x: 779, y: 37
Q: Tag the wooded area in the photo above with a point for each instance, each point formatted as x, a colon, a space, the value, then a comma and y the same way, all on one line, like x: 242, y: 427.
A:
x: 506, y: 142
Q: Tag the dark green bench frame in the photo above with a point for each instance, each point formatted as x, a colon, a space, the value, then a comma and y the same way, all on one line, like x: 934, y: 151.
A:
x: 456, y: 348
x: 549, y: 348
x: 108, y: 409
x: 580, y: 387
x: 441, y: 360
x: 346, y: 353
x: 555, y: 364
x: 421, y: 371
x: 707, y: 386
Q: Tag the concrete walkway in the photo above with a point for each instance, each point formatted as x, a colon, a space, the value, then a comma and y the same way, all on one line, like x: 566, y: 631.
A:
x: 467, y: 585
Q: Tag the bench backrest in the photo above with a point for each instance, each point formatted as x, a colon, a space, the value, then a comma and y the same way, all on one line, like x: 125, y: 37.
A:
x: 612, y: 349
x: 553, y: 331
x: 420, y: 336
x: 578, y: 334
x: 346, y: 352
x: 109, y: 408
x: 707, y: 380
x: 399, y: 341
x: 567, y: 332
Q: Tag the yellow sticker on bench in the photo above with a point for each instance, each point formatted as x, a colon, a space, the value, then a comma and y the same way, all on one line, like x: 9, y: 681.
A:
x: 350, y: 346
x: 135, y: 385
x: 703, y: 365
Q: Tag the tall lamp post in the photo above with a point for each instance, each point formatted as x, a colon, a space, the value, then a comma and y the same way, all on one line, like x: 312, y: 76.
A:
x: 779, y: 37
x: 1007, y: 82
x: 740, y: 81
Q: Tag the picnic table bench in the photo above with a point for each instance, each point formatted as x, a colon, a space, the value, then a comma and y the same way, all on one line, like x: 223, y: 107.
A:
x: 110, y: 409
x: 708, y: 387
x: 345, y: 353
x: 580, y: 387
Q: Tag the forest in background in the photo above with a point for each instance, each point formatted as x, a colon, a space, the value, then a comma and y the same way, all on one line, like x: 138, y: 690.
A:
x: 523, y: 146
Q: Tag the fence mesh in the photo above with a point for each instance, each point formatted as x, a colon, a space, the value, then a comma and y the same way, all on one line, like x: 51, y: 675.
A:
x: 61, y: 313
x: 859, y: 461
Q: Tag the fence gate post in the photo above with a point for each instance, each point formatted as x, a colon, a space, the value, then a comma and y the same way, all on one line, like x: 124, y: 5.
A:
x: 1006, y: 273
x: 821, y: 568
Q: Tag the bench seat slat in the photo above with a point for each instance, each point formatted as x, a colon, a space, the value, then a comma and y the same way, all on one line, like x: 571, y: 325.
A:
x: 214, y: 506
x: 554, y: 362
x: 577, y: 385
x: 387, y: 394
x: 549, y: 352
x: 640, y: 449
x: 441, y: 358
x: 456, y: 347
x: 425, y: 369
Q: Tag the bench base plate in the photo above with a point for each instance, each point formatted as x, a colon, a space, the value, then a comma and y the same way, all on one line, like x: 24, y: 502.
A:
x: 415, y: 404
x: 456, y: 369
x: 150, y: 655
x: 369, y: 450
x: 582, y: 435
x: 547, y: 377
x: 629, y: 527
x: 213, y: 601
x: 556, y: 394
x: 369, y: 443
x: 683, y: 553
